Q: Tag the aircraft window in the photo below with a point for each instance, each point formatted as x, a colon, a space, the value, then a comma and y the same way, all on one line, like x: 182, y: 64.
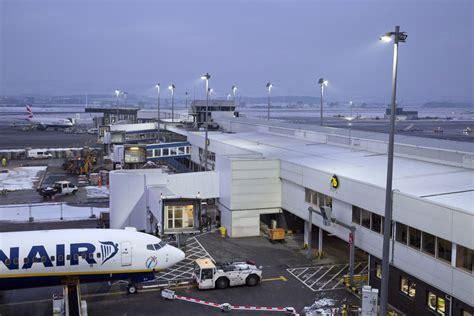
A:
x: 35, y: 259
x: 52, y: 258
x: 15, y: 261
x: 75, y: 256
x: 60, y: 257
x: 43, y: 258
x: 68, y: 257
x: 98, y: 255
x: 91, y: 256
x: 7, y: 262
x: 150, y: 247
x: 84, y: 255
x: 157, y: 246
x: 25, y: 260
x: 162, y: 244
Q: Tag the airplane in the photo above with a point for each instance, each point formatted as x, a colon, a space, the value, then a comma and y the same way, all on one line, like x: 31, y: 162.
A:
x: 54, y: 257
x: 45, y: 122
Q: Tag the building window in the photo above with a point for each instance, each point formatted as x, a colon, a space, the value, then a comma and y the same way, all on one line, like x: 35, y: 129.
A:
x: 407, y: 287
x: 464, y: 258
x: 149, y: 153
x: 444, y: 249
x: 378, y: 271
x: 402, y: 233
x: 414, y: 238
x: 317, y: 198
x: 436, y: 303
x: 179, y: 216
x: 428, y: 243
x: 464, y: 313
x: 166, y: 152
x: 365, y: 218
x: 377, y: 223
x: 355, y: 215
x: 307, y: 195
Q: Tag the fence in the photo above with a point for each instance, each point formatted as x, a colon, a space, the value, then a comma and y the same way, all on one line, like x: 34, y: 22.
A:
x: 47, y: 212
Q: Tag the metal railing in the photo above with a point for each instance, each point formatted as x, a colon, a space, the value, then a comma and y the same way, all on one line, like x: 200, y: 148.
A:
x: 47, y: 212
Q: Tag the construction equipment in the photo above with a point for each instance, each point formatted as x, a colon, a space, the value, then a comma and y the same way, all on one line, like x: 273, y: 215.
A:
x: 83, y: 164
x: 209, y: 275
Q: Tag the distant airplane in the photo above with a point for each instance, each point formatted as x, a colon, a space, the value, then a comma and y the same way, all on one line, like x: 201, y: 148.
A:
x: 53, y: 257
x: 45, y: 122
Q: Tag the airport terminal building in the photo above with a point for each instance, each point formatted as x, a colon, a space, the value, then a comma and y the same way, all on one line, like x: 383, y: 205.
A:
x: 261, y: 167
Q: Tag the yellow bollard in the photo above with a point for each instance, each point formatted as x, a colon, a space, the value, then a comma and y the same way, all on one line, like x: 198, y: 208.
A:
x: 222, y: 231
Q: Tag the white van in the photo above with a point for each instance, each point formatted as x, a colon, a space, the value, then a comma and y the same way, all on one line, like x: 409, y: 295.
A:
x: 39, y: 154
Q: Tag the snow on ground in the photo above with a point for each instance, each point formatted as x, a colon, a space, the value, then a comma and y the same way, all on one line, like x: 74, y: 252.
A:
x: 20, y: 178
x: 97, y: 192
x: 47, y: 212
x: 321, y: 307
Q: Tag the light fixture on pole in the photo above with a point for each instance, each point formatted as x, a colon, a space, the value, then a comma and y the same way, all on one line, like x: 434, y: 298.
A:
x: 323, y: 83
x: 234, y: 91
x: 117, y: 93
x: 228, y: 97
x: 398, y: 37
x: 206, y: 77
x: 157, y: 86
x: 172, y: 87
x: 269, y: 87
x: 186, y: 96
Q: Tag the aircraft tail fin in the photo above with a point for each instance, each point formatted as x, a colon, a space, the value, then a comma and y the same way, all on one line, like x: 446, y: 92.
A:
x: 29, y: 111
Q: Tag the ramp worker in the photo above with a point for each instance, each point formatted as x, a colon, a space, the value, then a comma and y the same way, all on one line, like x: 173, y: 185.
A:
x: 4, y: 162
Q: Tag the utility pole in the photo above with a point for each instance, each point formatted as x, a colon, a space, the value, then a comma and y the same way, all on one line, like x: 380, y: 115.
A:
x: 158, y: 106
x: 269, y: 87
x: 322, y: 83
x: 397, y: 37
x: 206, y: 77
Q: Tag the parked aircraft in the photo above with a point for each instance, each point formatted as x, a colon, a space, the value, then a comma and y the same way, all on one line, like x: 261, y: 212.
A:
x: 45, y: 122
x: 53, y: 257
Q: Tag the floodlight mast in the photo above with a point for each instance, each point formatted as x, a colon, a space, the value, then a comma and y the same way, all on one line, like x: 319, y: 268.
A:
x: 206, y: 77
x: 398, y: 37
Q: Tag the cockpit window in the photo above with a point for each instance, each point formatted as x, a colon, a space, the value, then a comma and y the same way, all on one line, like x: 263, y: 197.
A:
x: 160, y: 245
x: 150, y: 247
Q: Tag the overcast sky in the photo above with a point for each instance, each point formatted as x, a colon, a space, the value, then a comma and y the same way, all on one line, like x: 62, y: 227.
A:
x: 97, y: 46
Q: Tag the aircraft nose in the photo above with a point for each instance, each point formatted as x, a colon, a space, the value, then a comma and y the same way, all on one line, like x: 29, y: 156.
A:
x: 177, y: 255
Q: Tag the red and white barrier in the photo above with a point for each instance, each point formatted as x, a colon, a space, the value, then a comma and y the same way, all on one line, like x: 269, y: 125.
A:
x: 169, y: 294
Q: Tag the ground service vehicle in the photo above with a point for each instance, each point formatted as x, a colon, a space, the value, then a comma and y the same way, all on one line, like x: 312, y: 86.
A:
x: 38, y: 154
x: 59, y: 187
x: 209, y: 275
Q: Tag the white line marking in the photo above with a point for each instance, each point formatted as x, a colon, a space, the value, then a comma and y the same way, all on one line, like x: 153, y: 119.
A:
x: 343, y: 268
x: 304, y: 270
x: 322, y: 276
x: 313, y: 274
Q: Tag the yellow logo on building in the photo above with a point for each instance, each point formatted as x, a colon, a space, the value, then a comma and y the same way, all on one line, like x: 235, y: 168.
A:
x: 334, y: 182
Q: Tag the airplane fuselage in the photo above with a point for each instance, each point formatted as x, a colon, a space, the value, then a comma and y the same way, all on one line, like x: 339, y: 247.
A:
x: 42, y: 258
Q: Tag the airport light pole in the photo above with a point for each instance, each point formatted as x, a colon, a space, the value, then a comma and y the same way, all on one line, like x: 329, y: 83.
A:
x: 322, y: 83
x: 117, y: 93
x: 158, y: 105
x: 234, y: 91
x: 228, y: 97
x: 206, y: 77
x: 269, y: 87
x: 186, y: 96
x: 172, y: 87
x: 398, y: 37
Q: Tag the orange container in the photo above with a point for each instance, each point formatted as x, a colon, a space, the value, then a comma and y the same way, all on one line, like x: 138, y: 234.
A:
x: 277, y: 234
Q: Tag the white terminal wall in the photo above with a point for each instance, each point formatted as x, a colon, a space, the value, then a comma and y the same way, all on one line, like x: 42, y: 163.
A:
x: 450, y: 224
x: 249, y: 188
